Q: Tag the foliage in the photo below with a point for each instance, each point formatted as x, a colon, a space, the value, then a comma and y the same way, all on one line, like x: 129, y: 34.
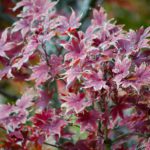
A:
x: 94, y: 82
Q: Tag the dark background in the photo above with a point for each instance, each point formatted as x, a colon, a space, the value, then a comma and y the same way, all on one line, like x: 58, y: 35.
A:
x: 132, y: 13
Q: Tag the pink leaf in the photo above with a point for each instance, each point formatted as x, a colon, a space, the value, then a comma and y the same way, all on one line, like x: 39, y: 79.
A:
x: 88, y: 120
x: 140, y: 77
x: 5, y: 111
x: 26, y: 100
x: 40, y: 73
x: 76, y: 103
x: 95, y: 81
x: 99, y: 16
x: 121, y: 69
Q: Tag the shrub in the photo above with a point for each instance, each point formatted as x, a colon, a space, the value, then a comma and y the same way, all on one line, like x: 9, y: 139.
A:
x: 86, y: 90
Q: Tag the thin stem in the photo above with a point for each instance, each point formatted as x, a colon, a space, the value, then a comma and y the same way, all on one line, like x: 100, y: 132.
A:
x: 130, y: 134
x: 46, y: 55
x: 108, y: 142
x: 52, y: 145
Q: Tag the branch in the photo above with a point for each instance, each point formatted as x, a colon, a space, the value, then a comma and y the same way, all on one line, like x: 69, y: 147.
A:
x: 130, y: 134
x: 46, y: 55
x: 52, y: 145
x: 47, y: 58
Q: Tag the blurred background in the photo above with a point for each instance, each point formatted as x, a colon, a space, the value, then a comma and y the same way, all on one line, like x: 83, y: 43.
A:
x: 131, y: 13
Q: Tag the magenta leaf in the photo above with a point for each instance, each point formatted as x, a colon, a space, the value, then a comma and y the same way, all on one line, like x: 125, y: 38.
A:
x: 76, y: 103
x: 99, y: 16
x: 121, y: 69
x: 140, y: 77
x: 95, y: 81
x: 88, y: 120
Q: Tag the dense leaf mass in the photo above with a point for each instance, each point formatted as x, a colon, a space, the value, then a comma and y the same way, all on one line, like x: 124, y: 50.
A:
x: 93, y: 83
